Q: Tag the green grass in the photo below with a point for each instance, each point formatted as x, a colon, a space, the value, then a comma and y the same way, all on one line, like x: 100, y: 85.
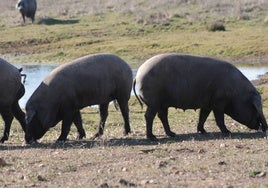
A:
x: 58, y: 40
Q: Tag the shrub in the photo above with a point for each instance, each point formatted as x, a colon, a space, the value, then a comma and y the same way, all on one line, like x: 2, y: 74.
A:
x: 243, y: 17
x: 216, y: 26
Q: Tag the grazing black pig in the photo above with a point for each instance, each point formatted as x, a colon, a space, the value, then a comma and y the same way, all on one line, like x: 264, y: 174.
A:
x: 90, y: 80
x: 193, y: 82
x: 27, y: 9
x: 11, y: 90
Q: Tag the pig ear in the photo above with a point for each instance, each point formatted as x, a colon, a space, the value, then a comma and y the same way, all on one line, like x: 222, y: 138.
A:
x: 30, y: 115
x: 256, y: 101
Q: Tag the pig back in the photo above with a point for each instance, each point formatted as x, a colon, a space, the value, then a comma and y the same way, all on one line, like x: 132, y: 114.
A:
x: 186, y: 81
x: 92, y: 79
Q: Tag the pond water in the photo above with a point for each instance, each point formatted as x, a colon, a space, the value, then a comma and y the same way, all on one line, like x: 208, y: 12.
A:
x: 36, y: 73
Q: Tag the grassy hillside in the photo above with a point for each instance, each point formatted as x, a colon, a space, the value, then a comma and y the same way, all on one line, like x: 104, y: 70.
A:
x: 135, y: 30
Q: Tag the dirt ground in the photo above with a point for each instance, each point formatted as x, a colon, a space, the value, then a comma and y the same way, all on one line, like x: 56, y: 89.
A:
x: 189, y: 160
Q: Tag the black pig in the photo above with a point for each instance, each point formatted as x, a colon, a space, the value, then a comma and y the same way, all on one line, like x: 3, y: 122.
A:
x: 193, y: 82
x: 27, y: 9
x: 90, y: 80
x: 11, y: 90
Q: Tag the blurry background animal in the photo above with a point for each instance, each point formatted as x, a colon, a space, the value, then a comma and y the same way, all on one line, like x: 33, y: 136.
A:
x: 27, y: 9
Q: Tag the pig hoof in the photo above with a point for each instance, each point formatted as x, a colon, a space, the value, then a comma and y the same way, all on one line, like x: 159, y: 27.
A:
x: 226, y: 133
x: 125, y: 133
x: 80, y: 137
x: 171, y: 134
x: 3, y: 140
x: 26, y: 143
x: 29, y: 142
x: 152, y: 137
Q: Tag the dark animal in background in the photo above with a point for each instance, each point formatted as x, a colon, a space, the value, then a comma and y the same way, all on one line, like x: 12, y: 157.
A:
x: 11, y: 90
x: 90, y: 80
x: 193, y: 82
x: 23, y: 76
x: 27, y: 9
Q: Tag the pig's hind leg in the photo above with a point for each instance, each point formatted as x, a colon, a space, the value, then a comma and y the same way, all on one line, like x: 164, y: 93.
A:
x: 162, y: 114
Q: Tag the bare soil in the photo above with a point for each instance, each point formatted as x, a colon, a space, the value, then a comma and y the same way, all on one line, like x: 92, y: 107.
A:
x: 189, y: 160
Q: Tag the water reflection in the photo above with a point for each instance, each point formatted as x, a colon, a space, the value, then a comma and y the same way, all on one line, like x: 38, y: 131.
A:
x: 252, y: 73
x: 36, y: 73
